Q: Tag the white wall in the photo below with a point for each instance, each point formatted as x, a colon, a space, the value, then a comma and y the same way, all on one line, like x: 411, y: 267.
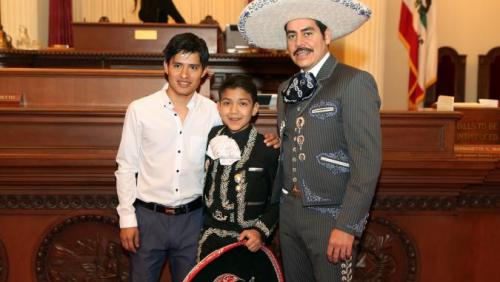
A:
x: 32, y: 14
x: 396, y: 62
x: 193, y: 11
x: 116, y: 10
x: 472, y: 28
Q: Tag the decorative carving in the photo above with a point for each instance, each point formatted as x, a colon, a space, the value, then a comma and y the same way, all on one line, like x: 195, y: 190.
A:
x: 436, y: 203
x: 63, y: 202
x: 415, y: 203
x: 479, y: 201
x: 82, y: 248
x: 385, y: 203
x: 4, y: 263
x: 385, y: 254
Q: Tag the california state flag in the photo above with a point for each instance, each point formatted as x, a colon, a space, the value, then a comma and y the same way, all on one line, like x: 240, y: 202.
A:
x: 417, y: 30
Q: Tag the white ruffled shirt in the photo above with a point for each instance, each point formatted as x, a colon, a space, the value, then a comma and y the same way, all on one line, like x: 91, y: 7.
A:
x: 225, y: 149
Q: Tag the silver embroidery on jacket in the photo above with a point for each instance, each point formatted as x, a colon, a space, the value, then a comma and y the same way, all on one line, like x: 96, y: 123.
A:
x: 324, y: 110
x: 346, y: 270
x: 240, y: 196
x: 310, y: 196
x: 210, y: 199
x: 227, y: 171
x: 336, y: 162
x: 360, y: 226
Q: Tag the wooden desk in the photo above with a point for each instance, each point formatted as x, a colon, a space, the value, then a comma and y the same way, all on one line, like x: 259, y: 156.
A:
x: 82, y: 88
x: 146, y: 37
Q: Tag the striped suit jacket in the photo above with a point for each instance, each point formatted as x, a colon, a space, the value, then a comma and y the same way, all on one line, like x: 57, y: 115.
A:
x: 339, y: 158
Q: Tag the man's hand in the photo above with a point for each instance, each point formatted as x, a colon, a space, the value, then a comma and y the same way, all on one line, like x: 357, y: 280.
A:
x: 339, y: 246
x: 271, y: 139
x: 130, y: 238
x: 253, y: 242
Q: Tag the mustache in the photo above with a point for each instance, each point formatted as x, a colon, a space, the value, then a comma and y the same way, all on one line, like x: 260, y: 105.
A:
x: 302, y: 49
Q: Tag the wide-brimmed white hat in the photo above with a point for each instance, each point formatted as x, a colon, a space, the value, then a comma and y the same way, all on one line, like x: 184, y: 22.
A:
x: 262, y: 22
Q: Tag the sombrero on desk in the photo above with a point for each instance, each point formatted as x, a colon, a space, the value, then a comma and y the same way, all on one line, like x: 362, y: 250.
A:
x: 235, y: 263
x: 262, y: 22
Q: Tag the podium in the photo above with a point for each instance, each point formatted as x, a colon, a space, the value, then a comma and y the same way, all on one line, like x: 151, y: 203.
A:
x: 145, y: 37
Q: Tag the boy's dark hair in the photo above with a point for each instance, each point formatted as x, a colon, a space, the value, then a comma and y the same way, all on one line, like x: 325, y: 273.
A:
x: 322, y: 27
x: 239, y: 81
x: 187, y: 43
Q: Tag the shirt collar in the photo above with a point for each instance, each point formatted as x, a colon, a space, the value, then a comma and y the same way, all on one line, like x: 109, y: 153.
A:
x: 315, y: 70
x: 168, y: 103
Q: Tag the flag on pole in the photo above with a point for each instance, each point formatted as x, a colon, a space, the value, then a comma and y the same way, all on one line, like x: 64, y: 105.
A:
x: 417, y: 30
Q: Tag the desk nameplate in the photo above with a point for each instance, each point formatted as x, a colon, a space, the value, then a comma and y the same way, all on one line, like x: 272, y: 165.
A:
x: 11, y: 100
x: 145, y: 34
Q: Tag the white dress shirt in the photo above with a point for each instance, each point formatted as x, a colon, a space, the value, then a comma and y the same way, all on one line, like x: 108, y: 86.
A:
x: 315, y: 70
x: 166, y: 154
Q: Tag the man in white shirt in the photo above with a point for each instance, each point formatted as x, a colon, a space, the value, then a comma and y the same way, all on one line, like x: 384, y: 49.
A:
x: 160, y: 165
x: 160, y: 174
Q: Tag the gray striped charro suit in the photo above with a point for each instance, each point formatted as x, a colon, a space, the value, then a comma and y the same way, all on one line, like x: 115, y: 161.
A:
x: 331, y: 150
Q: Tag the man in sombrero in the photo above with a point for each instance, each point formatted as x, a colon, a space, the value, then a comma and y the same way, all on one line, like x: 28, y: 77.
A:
x: 329, y: 123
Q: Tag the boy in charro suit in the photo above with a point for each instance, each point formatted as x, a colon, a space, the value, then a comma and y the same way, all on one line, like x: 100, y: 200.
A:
x: 240, y: 174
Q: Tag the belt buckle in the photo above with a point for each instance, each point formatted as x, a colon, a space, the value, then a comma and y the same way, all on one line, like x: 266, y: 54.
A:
x: 169, y: 211
x: 295, y: 191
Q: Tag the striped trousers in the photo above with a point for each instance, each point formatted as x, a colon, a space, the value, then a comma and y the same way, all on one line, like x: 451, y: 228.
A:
x: 304, y: 235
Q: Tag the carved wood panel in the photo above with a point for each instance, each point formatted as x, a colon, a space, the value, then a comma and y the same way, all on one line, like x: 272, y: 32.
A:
x: 385, y: 254
x: 82, y: 248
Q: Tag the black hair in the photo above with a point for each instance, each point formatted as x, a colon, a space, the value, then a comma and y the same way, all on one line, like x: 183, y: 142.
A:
x: 322, y: 27
x: 187, y: 43
x: 239, y: 81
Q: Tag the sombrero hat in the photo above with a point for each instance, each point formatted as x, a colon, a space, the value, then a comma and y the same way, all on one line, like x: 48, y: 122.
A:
x: 262, y: 22
x: 235, y: 263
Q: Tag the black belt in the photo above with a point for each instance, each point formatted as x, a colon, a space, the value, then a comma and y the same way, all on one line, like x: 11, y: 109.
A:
x: 191, y: 206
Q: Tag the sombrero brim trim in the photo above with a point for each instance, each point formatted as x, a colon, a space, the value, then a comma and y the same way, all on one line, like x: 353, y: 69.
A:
x: 219, y: 252
x: 262, y: 21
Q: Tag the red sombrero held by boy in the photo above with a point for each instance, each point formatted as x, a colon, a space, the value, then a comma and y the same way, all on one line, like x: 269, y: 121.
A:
x: 235, y: 263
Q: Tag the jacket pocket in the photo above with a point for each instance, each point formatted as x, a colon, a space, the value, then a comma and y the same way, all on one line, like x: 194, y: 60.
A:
x: 337, y: 162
